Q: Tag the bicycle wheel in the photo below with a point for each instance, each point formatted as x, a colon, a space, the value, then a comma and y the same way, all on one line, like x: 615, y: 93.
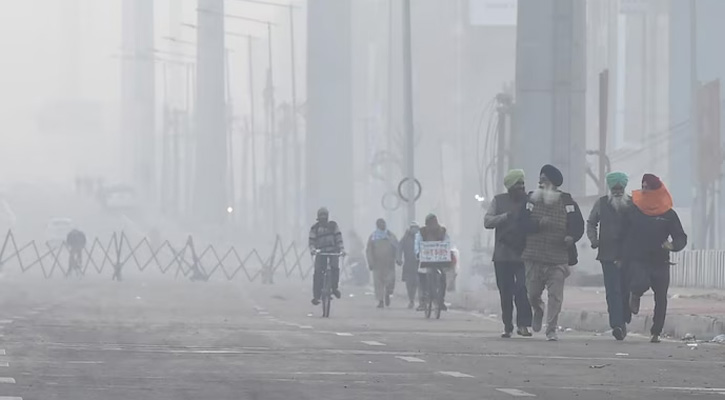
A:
x: 326, y: 296
x: 431, y: 295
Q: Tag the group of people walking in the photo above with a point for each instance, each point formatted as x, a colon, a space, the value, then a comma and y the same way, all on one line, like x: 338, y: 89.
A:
x: 535, y: 245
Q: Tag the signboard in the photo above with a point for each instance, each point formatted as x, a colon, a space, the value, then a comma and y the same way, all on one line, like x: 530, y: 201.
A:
x: 633, y: 6
x: 435, y: 252
x: 492, y: 12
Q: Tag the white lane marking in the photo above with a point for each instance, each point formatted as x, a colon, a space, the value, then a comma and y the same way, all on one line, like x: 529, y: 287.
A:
x: 304, y: 326
x: 10, y: 398
x: 410, y: 359
x: 7, y: 380
x: 372, y: 343
x: 343, y: 334
x: 263, y: 313
x: 516, y: 392
x: 85, y: 362
x: 455, y: 374
x: 4, y: 364
x: 694, y: 389
x: 6, y: 321
x: 2, y: 352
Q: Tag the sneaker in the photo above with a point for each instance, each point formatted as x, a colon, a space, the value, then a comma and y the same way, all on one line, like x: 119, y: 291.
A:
x: 523, y: 331
x: 381, y: 305
x: 443, y: 307
x: 421, y: 307
x: 634, y: 303
x: 538, y: 320
x: 411, y: 305
x: 337, y: 293
x: 552, y: 336
x: 387, y: 300
x: 624, y: 330
x: 618, y: 333
x: 315, y: 302
x: 506, y: 335
x: 655, y: 339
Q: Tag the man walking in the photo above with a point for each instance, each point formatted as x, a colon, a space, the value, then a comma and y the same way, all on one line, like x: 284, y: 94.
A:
x: 502, y: 214
x: 382, y: 251
x: 409, y: 261
x: 647, y: 228
x: 607, y: 216
x: 554, y: 224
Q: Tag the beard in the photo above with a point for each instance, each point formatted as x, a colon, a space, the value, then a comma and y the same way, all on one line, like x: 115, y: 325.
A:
x: 618, y: 202
x: 547, y: 195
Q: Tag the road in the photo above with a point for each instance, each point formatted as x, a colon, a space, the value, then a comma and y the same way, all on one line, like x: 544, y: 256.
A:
x: 163, y: 339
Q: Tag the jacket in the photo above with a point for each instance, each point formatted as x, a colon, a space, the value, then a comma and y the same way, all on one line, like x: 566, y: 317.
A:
x: 510, y: 239
x: 406, y: 255
x: 643, y: 236
x: 609, y: 223
x: 382, y: 253
x: 545, y: 242
x: 326, y: 237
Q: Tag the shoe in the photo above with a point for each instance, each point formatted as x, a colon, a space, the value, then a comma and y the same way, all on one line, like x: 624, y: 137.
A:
x: 618, y: 333
x: 538, y: 320
x: 443, y: 307
x: 421, y: 307
x: 411, y: 305
x: 624, y: 330
x: 634, y: 303
x: 381, y: 305
x: 387, y: 300
x: 337, y: 293
x: 655, y: 339
x: 552, y: 336
x: 315, y: 302
x: 523, y: 331
x: 506, y: 335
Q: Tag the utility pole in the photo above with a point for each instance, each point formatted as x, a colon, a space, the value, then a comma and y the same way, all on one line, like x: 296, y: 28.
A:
x: 408, y: 110
x: 699, y: 214
x: 252, y: 133
x: 295, y: 132
x: 603, y: 115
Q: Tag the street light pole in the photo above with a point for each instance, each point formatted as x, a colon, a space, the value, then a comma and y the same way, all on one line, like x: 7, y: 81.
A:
x: 295, y: 133
x: 408, y: 110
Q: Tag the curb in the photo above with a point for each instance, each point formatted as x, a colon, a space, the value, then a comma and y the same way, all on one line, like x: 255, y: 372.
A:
x: 676, y: 325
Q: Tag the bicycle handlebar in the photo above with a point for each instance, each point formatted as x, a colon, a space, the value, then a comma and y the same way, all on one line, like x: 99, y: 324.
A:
x: 330, y: 254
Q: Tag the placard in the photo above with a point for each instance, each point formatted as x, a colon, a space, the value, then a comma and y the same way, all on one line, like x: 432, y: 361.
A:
x: 435, y: 252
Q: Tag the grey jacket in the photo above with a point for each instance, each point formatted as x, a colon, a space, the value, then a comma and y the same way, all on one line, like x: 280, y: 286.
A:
x: 608, y: 235
x: 502, y: 215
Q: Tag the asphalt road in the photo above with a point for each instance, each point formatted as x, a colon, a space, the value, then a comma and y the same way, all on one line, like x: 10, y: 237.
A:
x: 93, y: 339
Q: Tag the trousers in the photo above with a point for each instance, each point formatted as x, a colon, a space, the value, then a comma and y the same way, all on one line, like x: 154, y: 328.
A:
x: 653, y: 276
x: 511, y: 282
x: 616, y: 286
x: 550, y: 277
x: 384, y: 278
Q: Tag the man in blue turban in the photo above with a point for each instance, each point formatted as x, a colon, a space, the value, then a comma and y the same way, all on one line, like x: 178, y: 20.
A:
x: 604, y: 229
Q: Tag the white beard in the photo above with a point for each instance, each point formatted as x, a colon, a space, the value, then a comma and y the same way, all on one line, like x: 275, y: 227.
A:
x: 548, y: 196
x: 618, y: 202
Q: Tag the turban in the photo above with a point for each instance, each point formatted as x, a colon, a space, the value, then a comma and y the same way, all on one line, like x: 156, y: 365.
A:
x: 653, y: 182
x: 552, y: 174
x: 617, y: 178
x: 512, y: 177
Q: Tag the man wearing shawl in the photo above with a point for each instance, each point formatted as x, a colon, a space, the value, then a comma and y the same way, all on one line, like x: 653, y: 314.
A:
x: 409, y: 261
x: 650, y: 231
x: 502, y: 214
x: 554, y: 223
x: 607, y: 216
x: 382, y: 251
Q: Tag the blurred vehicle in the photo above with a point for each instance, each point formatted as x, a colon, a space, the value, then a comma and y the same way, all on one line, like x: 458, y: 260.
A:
x: 57, y: 230
x: 120, y: 198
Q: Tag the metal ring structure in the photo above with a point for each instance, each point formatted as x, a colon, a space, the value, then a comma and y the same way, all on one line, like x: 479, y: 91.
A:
x: 400, y: 190
x: 384, y: 203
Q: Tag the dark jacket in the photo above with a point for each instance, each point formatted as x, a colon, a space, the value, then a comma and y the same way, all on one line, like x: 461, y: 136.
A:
x: 510, y: 239
x: 574, y: 227
x: 643, y: 236
x: 406, y: 255
x: 326, y: 237
x: 609, y: 223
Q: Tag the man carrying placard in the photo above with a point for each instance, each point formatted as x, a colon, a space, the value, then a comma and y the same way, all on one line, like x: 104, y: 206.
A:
x: 433, y: 247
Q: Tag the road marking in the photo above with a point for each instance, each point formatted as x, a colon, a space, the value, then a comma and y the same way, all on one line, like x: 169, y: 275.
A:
x: 6, y: 321
x: 455, y: 374
x: 372, y: 343
x: 85, y: 362
x: 263, y: 313
x: 2, y: 352
x: 304, y: 326
x: 4, y: 364
x: 10, y: 398
x: 694, y: 389
x: 343, y: 334
x: 7, y: 380
x: 516, y: 392
x: 410, y: 359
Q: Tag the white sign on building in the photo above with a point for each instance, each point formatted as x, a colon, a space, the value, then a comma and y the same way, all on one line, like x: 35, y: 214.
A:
x: 492, y: 12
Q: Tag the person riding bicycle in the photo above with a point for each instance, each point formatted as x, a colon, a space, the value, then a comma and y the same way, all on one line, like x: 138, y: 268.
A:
x: 432, y: 232
x: 325, y: 237
x: 76, y: 241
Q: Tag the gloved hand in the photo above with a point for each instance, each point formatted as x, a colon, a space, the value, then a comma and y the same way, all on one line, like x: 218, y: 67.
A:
x: 668, y: 245
x: 595, y: 244
x: 316, y: 252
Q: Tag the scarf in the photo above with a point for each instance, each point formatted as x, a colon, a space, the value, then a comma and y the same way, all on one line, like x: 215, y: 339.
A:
x: 654, y: 202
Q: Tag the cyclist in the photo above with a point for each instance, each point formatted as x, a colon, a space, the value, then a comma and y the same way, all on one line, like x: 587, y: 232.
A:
x: 432, y: 232
x: 76, y: 241
x: 325, y: 237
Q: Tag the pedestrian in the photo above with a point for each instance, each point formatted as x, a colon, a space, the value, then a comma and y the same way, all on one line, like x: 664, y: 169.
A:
x: 502, y: 214
x: 382, y: 251
x: 554, y: 224
x: 433, y: 231
x: 650, y: 231
x: 604, y: 229
x: 409, y: 261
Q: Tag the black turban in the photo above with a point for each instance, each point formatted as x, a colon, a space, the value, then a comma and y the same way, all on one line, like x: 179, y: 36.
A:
x: 553, y: 174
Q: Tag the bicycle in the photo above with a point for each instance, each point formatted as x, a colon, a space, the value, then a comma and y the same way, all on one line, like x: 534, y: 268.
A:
x: 326, y: 294
x: 434, y: 294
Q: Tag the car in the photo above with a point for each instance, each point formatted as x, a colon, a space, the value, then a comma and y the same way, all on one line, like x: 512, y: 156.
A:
x: 57, y: 230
